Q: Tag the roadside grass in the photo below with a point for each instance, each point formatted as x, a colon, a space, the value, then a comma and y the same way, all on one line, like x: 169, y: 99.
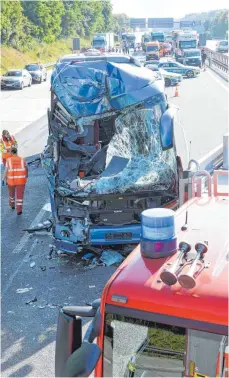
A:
x: 43, y: 53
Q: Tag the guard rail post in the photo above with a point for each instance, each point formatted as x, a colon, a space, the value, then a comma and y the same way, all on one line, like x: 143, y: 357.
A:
x: 214, y: 160
x: 226, y: 151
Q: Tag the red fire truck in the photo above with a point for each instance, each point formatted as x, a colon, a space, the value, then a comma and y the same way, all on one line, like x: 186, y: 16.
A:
x: 159, y: 316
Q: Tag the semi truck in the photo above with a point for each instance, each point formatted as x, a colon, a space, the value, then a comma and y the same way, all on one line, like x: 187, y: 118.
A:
x: 158, y: 36
x: 130, y: 38
x: 152, y: 50
x: 145, y: 38
x: 103, y: 41
x: 187, y: 40
x: 164, y: 312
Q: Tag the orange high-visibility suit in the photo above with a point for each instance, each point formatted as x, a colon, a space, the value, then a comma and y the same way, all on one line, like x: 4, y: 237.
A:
x: 16, y: 180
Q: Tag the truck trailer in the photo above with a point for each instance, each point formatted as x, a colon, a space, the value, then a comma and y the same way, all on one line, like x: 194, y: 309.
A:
x: 103, y: 42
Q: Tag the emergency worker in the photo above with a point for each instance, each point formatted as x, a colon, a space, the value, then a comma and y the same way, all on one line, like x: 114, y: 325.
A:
x: 127, y: 48
x: 16, y: 174
x: 6, y: 143
x: 203, y: 58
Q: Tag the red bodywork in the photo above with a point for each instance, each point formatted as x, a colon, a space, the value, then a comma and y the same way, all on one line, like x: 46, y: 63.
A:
x: 137, y: 277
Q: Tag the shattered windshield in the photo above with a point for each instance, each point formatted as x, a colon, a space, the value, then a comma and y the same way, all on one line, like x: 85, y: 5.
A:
x: 98, y: 42
x: 135, y: 159
x: 152, y: 48
x: 195, y: 53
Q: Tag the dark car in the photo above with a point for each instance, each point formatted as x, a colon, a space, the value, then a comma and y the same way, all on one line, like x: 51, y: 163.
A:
x: 37, y: 71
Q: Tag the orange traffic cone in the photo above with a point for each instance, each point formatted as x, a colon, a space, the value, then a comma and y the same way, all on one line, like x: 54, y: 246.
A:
x: 176, y: 92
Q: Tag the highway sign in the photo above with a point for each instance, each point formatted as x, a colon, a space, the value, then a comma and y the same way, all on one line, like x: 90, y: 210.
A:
x: 138, y: 22
x: 189, y: 24
x: 160, y: 22
x: 76, y: 44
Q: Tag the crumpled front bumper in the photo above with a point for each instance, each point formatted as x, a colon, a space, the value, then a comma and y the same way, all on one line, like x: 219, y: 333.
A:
x: 102, y: 235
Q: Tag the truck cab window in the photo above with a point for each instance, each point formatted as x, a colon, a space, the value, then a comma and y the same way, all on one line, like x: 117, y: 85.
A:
x: 134, y: 347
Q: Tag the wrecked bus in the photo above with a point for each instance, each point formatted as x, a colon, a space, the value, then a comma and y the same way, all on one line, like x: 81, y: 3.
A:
x: 110, y: 152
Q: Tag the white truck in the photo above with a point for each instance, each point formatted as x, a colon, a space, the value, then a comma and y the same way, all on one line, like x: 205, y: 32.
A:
x: 187, y: 40
x: 103, y: 42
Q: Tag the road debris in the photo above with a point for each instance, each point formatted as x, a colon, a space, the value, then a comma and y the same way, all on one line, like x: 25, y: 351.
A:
x: 91, y: 286
x: 110, y: 257
x: 88, y: 256
x: 45, y: 226
x: 31, y: 301
x: 23, y: 290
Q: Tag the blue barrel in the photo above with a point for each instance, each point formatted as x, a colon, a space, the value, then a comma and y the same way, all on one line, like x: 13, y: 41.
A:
x: 158, y: 237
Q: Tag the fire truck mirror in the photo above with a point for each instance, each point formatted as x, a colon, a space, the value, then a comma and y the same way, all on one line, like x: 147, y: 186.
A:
x: 83, y: 361
x: 95, y: 328
x: 68, y: 340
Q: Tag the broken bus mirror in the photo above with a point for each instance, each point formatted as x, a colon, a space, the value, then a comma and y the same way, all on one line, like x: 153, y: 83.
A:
x: 167, y: 128
x: 68, y: 340
x: 83, y: 361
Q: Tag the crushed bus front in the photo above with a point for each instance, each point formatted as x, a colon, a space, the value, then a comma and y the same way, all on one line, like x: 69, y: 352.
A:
x: 110, y: 152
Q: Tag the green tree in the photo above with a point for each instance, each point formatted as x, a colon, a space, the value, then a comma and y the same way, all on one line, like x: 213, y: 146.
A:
x: 92, y: 18
x: 220, y: 24
x: 47, y: 16
x: 15, y: 27
x: 71, y: 19
x: 122, y: 20
x: 107, y: 15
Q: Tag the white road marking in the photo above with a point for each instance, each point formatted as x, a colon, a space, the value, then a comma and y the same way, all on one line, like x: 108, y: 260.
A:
x: 18, y: 268
x: 218, y: 81
x: 25, y: 237
x: 21, y: 245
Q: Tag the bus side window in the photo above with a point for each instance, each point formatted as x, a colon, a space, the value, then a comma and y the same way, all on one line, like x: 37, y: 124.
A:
x: 203, y: 352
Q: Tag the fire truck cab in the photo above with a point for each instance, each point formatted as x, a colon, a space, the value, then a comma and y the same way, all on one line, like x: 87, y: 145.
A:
x: 164, y: 312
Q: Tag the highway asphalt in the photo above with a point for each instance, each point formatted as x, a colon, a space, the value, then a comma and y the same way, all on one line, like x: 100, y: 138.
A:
x: 28, y: 330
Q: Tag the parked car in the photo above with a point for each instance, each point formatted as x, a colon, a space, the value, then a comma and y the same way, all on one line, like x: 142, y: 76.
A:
x: 37, y: 71
x: 170, y: 78
x: 179, y: 68
x: 92, y: 52
x: 222, y: 46
x: 152, y: 65
x: 17, y: 79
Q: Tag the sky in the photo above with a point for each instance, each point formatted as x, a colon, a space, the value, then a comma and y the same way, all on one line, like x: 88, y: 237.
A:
x: 165, y: 8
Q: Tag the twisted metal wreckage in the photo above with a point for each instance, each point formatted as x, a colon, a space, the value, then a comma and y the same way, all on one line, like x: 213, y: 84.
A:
x: 110, y: 152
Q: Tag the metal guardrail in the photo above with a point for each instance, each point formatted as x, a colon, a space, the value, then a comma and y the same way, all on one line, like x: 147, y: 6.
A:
x: 217, y: 60
x: 217, y: 158
x: 49, y: 64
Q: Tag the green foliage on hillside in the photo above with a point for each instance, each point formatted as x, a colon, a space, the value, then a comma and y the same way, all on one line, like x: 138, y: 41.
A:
x: 43, y: 53
x: 215, y: 22
x: 24, y: 24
